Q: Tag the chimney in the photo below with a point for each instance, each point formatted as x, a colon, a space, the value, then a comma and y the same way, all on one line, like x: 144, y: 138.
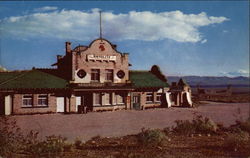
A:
x: 59, y: 57
x: 68, y: 47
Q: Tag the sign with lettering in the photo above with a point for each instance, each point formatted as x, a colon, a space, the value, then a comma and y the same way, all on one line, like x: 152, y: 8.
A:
x: 101, y: 57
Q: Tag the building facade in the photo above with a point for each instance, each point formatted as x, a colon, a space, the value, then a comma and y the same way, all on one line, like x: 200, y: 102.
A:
x: 86, y: 78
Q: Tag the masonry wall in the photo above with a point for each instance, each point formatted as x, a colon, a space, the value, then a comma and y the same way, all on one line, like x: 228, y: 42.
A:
x: 19, y: 109
x: 146, y: 104
x: 80, y: 61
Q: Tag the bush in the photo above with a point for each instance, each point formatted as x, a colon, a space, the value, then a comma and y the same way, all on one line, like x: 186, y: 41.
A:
x: 242, y: 125
x: 151, y: 138
x: 234, y: 141
x: 204, y: 125
x: 52, y: 145
x: 198, y: 125
x: 10, y: 137
x: 78, y: 143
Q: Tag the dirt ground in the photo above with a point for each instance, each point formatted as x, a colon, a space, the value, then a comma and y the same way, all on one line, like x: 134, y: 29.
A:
x: 126, y: 122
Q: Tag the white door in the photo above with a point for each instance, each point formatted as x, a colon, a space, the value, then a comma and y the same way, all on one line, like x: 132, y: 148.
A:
x: 78, y: 102
x: 60, y: 104
x: 8, y: 105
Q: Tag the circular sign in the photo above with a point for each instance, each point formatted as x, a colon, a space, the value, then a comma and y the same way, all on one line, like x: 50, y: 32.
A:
x: 81, y: 73
x: 120, y: 74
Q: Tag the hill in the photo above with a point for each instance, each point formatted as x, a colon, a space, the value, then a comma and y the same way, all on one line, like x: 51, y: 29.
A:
x: 213, y: 81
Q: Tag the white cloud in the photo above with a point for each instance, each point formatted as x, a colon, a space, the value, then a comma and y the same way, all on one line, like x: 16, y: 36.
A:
x: 84, y: 25
x: 240, y: 72
x: 44, y: 9
x: 204, y: 41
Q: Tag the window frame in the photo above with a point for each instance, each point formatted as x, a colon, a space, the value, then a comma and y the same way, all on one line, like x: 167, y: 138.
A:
x: 160, y: 97
x: 95, y: 75
x: 122, y: 98
x: 100, y: 99
x: 109, y: 75
x: 43, y: 97
x: 109, y: 99
x: 28, y: 98
x: 149, y: 95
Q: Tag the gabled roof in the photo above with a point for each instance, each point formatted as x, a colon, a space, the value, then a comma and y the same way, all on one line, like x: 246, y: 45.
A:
x: 182, y: 82
x: 145, y: 79
x: 33, y: 79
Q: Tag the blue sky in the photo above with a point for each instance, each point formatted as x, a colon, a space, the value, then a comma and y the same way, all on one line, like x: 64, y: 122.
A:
x: 184, y: 38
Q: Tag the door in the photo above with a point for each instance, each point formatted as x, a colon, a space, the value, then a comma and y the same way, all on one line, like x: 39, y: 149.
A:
x: 136, y: 102
x: 78, y: 102
x: 60, y: 104
x: 8, y: 105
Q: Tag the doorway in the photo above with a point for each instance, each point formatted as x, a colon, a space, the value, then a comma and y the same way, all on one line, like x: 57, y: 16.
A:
x: 136, y: 102
x: 60, y: 104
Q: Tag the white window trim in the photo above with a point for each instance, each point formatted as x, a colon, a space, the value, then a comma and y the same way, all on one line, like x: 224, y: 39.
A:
x: 29, y: 105
x: 110, y: 99
x: 120, y: 103
x: 107, y: 73
x: 151, y: 95
x: 100, y: 97
x: 158, y: 94
x: 98, y: 72
x: 45, y: 96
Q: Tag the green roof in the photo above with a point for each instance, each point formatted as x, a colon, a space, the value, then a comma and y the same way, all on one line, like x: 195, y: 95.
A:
x: 33, y: 79
x: 145, y: 79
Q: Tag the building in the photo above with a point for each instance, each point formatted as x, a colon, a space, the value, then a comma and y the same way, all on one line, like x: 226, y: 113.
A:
x: 181, y: 94
x: 86, y: 78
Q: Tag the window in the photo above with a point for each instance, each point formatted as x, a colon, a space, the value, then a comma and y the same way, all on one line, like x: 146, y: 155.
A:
x: 95, y: 75
x: 158, y: 97
x: 43, y: 100
x: 120, y: 99
x: 149, y: 98
x: 97, y: 99
x: 108, y: 99
x: 27, y: 101
x: 109, y: 75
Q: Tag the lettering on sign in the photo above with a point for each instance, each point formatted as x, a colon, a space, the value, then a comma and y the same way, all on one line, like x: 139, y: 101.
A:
x: 101, y: 57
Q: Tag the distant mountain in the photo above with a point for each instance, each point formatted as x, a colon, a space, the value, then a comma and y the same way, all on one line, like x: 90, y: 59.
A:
x: 211, y: 81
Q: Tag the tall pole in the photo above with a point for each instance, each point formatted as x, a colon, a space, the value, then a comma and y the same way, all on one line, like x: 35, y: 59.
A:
x: 100, y: 24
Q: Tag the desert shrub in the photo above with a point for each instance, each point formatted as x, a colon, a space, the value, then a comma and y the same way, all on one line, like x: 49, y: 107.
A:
x: 10, y: 137
x: 68, y: 147
x: 98, y: 137
x: 184, y: 127
x: 204, y: 125
x: 234, y: 141
x: 150, y: 137
x: 198, y: 125
x: 167, y: 130
x: 242, y: 125
x: 52, y: 145
x: 78, y: 143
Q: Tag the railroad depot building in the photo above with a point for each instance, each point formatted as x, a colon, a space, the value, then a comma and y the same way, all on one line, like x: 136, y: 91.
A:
x: 86, y: 78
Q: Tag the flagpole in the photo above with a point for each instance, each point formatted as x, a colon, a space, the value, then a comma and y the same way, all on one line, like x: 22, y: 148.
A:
x: 100, y: 24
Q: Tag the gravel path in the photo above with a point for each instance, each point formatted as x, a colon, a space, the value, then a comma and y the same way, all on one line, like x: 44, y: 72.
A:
x: 125, y: 122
